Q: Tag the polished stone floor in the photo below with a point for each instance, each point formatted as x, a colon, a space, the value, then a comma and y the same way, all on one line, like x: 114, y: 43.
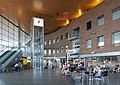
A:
x: 50, y: 77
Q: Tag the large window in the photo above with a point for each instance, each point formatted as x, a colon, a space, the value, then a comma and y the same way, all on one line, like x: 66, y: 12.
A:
x: 76, y: 43
x: 89, y: 25
x: 49, y: 51
x: 100, y: 20
x: 57, y: 50
x: 66, y: 35
x: 88, y: 43
x: 116, y: 13
x: 23, y: 37
x: 61, y: 37
x: 53, y: 41
x: 116, y: 37
x: 75, y: 32
x: 61, y: 49
x: 101, y: 41
x: 57, y: 39
x: 10, y: 35
x: 53, y: 51
x: 50, y: 42
x: 45, y: 52
x: 45, y: 43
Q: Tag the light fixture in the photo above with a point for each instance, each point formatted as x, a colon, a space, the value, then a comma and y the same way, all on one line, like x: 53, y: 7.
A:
x: 67, y: 21
x: 79, y: 12
x: 98, y: 0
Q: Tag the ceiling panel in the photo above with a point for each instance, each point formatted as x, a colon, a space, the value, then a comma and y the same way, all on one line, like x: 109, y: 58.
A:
x: 54, y: 12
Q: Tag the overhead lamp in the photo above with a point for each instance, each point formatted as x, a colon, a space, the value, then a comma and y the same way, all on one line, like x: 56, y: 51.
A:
x: 67, y: 21
x: 98, y: 0
x: 79, y: 12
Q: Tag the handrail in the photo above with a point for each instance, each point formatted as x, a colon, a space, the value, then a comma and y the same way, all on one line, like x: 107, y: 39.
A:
x: 4, y: 50
x: 8, y: 48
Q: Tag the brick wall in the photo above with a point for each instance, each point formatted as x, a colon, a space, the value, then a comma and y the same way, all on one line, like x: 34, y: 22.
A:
x: 92, y: 14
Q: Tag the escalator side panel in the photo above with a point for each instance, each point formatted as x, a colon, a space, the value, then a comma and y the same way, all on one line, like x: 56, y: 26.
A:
x: 15, y: 60
x: 7, y: 56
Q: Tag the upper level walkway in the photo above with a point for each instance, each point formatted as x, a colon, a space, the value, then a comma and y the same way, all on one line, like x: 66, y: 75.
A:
x: 49, y: 77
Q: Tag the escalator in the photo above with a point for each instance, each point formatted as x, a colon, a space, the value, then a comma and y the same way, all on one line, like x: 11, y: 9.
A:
x: 10, y: 58
x: 6, y: 56
x: 15, y: 58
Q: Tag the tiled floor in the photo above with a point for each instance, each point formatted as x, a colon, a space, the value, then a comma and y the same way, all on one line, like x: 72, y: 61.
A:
x: 49, y: 77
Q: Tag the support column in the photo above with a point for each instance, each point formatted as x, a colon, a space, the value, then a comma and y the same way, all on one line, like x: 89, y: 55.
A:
x: 85, y: 62
x: 118, y: 59
x: 111, y: 59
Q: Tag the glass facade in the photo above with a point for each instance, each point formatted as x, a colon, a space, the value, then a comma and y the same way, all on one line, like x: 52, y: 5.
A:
x: 23, y: 38
x: 10, y: 35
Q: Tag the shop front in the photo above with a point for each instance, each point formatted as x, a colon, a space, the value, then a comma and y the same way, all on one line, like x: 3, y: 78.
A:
x: 108, y: 58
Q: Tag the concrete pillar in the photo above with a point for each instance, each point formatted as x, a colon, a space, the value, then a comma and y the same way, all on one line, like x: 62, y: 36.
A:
x: 85, y: 62
x: 118, y: 59
x: 111, y: 59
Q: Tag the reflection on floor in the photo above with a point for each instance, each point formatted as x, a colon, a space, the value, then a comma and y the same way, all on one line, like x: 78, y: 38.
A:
x: 50, y: 77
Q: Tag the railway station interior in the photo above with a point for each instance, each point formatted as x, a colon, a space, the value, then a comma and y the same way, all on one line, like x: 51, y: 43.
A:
x: 55, y: 42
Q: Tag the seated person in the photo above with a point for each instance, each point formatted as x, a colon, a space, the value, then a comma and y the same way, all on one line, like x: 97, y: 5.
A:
x: 18, y: 66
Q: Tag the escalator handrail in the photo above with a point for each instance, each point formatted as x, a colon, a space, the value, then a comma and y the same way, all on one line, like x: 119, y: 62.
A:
x: 8, y: 48
x: 4, y: 50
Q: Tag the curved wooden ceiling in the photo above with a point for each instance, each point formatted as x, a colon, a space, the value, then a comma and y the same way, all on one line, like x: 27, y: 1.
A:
x: 54, y: 12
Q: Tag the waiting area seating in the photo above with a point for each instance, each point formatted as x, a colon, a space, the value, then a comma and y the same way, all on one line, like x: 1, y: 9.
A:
x: 90, y: 73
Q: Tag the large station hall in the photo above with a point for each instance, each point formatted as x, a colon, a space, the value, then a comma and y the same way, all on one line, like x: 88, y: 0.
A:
x: 59, y: 42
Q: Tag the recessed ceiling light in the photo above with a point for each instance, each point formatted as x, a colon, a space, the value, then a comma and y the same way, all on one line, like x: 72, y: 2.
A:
x: 98, y: 0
